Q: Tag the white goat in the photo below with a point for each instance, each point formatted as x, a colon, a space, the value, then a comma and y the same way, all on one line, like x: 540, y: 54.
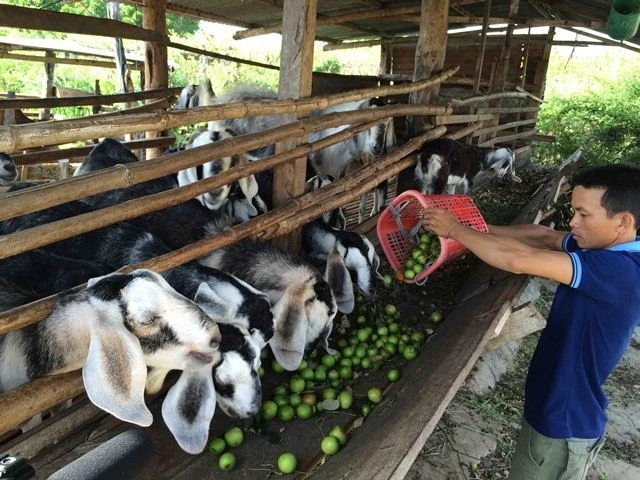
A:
x: 128, y: 322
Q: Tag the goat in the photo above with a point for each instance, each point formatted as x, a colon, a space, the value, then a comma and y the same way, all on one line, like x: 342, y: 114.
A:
x: 193, y: 96
x: 214, y: 199
x: 349, y: 257
x: 224, y: 297
x: 331, y: 161
x: 112, y: 247
x: 20, y: 284
x: 113, y: 330
x: 8, y: 171
x: 302, y: 302
x: 445, y: 164
x: 176, y: 226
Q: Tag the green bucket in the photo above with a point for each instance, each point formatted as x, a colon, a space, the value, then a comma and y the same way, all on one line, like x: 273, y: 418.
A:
x: 624, y: 19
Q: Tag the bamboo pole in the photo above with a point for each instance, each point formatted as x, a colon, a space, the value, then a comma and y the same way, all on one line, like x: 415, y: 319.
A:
x: 29, y: 399
x: 483, y: 98
x: 24, y: 240
x: 88, y: 99
x: 43, y: 196
x: 463, y: 132
x: 20, y: 137
x: 66, y: 61
x: 53, y: 155
x: 273, y: 223
x: 220, y: 56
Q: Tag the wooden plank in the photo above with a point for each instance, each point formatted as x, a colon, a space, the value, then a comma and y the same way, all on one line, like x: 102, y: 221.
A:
x: 38, y: 19
x: 508, y: 138
x: 521, y: 323
x: 504, y: 126
x: 508, y: 110
x: 449, y: 119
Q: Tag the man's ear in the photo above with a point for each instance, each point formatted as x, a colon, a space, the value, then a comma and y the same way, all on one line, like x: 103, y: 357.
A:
x: 627, y: 221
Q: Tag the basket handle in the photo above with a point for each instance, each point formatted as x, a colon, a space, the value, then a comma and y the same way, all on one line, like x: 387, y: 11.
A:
x: 411, y: 234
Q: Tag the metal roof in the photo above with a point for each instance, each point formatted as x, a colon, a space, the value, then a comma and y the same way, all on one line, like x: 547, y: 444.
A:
x: 365, y: 24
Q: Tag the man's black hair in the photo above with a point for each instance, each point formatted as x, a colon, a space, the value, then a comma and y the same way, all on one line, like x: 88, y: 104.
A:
x: 622, y: 185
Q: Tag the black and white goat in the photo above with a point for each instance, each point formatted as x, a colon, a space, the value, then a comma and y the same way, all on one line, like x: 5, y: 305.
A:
x: 444, y: 165
x: 113, y: 330
x: 8, y: 171
x: 176, y: 226
x: 348, y: 256
x: 227, y: 299
x: 330, y: 162
x: 302, y: 301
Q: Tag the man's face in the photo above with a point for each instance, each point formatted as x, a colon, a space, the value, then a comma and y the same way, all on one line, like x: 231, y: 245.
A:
x: 590, y: 225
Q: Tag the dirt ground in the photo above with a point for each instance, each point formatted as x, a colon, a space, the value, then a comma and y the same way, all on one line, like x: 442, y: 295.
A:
x: 476, y: 437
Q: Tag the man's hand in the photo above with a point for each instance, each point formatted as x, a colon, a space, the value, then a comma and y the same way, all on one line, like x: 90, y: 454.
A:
x: 440, y: 221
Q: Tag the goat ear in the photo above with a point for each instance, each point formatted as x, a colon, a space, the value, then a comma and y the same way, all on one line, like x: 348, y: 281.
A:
x: 114, y: 373
x: 325, y: 339
x: 92, y: 281
x: 155, y: 379
x: 212, y: 303
x: 249, y: 186
x: 338, y: 278
x: 188, y: 409
x: 290, y: 318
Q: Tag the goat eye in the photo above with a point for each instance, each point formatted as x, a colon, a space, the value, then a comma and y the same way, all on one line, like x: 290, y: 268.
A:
x: 310, y: 301
x: 151, y: 320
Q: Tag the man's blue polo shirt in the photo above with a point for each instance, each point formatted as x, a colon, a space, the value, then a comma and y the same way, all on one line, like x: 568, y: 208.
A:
x: 590, y: 325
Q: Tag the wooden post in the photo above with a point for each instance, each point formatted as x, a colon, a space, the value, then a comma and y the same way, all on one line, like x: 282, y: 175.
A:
x: 386, y: 56
x: 430, y: 52
x: 499, y: 79
x: 155, y: 65
x: 296, y: 66
x: 481, y: 48
x: 113, y: 12
x: 47, y: 90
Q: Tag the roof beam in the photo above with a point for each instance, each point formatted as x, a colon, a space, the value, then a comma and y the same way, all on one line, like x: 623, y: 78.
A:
x: 36, y: 19
x: 405, y: 13
x: 371, y: 31
x: 334, y: 20
x: 197, y: 14
x: 605, y: 40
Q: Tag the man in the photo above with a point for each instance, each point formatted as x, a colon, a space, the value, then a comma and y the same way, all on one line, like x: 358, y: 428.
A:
x: 591, y: 322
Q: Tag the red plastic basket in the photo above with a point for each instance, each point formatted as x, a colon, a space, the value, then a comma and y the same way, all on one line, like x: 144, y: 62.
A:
x: 407, y: 210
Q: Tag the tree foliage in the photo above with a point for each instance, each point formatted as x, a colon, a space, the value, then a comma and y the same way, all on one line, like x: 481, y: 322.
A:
x: 605, y: 116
